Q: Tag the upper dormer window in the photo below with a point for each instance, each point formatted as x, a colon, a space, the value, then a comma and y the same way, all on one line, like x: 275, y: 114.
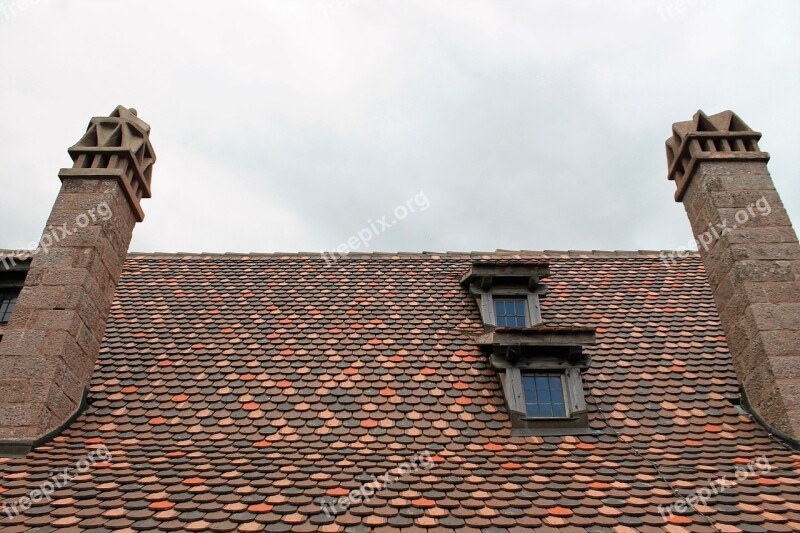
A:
x: 508, y: 293
x: 511, y: 312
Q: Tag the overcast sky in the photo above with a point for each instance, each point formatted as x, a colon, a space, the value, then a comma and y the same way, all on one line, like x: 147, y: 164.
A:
x: 289, y: 126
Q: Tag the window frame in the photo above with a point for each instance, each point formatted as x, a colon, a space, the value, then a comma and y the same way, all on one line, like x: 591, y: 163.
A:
x: 526, y: 319
x: 533, y: 309
x: 572, y: 388
x: 14, y: 296
x: 565, y: 396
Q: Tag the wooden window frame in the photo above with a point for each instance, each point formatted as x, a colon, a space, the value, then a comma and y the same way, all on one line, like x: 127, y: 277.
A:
x: 533, y: 308
x: 565, y: 393
x: 526, y: 319
x: 572, y: 390
x: 576, y: 421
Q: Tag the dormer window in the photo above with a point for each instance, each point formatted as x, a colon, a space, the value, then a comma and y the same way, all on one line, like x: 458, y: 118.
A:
x: 539, y: 367
x: 508, y: 293
x: 511, y: 312
x: 544, y: 395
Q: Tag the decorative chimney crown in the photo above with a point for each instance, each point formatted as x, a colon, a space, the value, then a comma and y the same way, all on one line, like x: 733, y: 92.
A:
x: 117, y: 145
x: 720, y: 136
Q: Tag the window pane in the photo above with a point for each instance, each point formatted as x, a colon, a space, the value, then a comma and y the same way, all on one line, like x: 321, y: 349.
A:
x: 7, y: 302
x: 529, y: 384
x: 555, y: 387
x: 533, y: 409
x: 510, y: 312
x: 544, y: 395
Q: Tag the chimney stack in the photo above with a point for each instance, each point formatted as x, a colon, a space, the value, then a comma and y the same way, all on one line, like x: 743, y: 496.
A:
x: 49, y: 349
x: 751, y: 255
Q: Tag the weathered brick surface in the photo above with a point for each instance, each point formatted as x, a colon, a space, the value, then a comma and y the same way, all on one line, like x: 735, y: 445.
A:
x: 20, y: 415
x: 752, y: 257
x: 52, y: 341
x: 61, y: 311
x: 15, y: 390
x: 20, y: 342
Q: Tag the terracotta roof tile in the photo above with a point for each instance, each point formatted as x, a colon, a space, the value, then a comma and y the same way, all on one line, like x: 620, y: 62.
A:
x: 240, y: 392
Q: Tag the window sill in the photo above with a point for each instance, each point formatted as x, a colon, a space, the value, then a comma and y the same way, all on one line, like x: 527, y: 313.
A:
x: 552, y: 432
x: 549, y: 418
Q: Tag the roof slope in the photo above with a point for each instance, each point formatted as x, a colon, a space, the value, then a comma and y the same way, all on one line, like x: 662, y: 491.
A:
x: 234, y: 392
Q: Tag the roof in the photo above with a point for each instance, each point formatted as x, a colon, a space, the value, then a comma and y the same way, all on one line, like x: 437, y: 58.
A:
x: 235, y: 391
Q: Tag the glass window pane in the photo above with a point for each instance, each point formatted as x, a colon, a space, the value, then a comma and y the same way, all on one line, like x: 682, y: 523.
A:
x: 528, y: 383
x: 559, y: 410
x: 533, y: 409
x: 510, y: 312
x: 7, y: 301
x: 544, y: 395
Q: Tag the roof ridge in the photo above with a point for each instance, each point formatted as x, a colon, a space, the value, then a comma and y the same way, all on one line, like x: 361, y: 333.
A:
x: 521, y: 254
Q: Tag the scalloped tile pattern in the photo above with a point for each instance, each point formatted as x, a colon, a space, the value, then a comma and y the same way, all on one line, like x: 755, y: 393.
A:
x: 236, y: 393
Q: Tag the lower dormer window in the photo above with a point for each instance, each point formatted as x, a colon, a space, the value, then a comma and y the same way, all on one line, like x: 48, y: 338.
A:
x: 545, y: 395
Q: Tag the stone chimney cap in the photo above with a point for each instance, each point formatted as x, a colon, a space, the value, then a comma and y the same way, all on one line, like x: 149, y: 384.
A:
x: 723, y: 122
x: 129, y: 114
x: 720, y: 136
x: 116, y: 146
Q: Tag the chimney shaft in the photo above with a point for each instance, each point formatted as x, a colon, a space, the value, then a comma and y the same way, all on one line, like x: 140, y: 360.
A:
x: 52, y: 341
x: 751, y: 255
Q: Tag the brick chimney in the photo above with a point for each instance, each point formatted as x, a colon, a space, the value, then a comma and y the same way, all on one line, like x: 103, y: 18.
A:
x: 49, y: 349
x: 751, y: 255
